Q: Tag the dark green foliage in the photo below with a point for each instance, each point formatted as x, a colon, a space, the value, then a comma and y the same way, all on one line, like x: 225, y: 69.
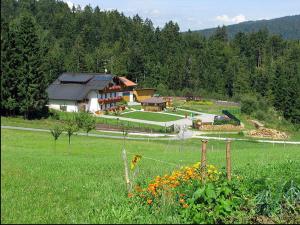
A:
x: 91, y: 40
x: 218, y: 202
x: 249, y: 105
x: 222, y: 122
x: 23, y: 79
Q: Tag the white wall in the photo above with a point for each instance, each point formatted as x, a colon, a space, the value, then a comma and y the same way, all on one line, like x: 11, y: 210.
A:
x: 93, y: 101
x: 131, y: 96
x: 71, y: 105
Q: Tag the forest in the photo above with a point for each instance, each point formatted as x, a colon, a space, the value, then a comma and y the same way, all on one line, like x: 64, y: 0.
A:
x: 41, y: 39
x: 288, y: 27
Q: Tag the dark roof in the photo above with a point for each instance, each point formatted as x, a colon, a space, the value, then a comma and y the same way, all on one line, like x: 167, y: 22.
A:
x: 75, y: 86
x: 75, y: 78
x: 153, y: 100
x: 66, y: 91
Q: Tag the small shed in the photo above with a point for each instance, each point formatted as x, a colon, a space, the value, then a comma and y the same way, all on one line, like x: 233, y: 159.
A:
x: 154, y: 104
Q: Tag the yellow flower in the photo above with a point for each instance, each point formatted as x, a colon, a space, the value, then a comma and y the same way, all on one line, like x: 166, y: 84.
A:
x: 149, y: 201
x: 134, y: 161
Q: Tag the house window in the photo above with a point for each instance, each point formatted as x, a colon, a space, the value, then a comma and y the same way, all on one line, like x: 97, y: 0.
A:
x: 63, y: 108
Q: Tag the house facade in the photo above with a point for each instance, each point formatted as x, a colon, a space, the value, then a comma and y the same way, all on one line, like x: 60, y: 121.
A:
x: 93, y: 92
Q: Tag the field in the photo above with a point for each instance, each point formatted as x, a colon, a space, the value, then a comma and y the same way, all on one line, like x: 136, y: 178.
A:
x: 151, y: 116
x: 84, y: 183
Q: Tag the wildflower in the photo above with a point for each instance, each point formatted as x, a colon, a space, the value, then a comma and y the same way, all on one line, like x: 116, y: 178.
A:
x: 196, y: 165
x: 149, y: 201
x: 185, y: 206
x: 134, y: 161
x: 130, y: 195
x: 181, y: 200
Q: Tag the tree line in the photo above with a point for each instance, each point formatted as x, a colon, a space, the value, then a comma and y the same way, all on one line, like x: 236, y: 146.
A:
x: 41, y: 39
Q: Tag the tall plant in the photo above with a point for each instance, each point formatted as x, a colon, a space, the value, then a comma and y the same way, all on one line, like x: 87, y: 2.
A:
x: 56, y: 132
x: 70, y: 127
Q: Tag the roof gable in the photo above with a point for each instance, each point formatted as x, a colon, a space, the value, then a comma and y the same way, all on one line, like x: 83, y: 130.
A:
x: 76, y: 86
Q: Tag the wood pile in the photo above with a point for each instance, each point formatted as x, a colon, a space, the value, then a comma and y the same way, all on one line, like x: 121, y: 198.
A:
x: 268, y: 133
x: 257, y: 124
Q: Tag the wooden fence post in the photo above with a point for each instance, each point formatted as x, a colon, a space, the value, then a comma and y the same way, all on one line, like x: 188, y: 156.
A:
x: 228, y: 160
x: 124, y: 156
x: 203, y: 160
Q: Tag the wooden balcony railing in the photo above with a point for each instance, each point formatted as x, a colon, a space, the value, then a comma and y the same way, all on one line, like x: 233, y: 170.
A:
x: 114, y: 88
x: 110, y: 100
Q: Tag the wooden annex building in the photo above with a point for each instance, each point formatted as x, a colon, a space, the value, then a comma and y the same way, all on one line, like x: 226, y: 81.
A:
x: 154, y: 104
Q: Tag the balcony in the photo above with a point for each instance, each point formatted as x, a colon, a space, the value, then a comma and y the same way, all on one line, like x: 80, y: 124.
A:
x: 114, y: 88
x: 110, y: 100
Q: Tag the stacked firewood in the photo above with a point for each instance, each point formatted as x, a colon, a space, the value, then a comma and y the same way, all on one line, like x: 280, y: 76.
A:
x: 268, y: 133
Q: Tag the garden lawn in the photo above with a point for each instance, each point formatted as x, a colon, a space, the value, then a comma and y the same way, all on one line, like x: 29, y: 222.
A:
x: 84, y: 182
x: 151, y: 116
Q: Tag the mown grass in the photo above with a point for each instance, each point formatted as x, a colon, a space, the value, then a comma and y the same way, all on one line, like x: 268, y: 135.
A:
x: 84, y: 183
x: 151, y: 116
x: 205, y: 108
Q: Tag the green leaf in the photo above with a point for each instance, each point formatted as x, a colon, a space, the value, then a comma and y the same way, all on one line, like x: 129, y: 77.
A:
x: 198, y: 193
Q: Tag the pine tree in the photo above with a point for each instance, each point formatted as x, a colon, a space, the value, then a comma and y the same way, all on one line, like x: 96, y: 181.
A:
x: 10, y: 61
x: 31, y: 79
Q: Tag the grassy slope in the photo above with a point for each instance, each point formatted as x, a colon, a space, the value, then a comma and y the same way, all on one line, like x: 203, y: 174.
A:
x: 214, y: 108
x: 151, y: 116
x: 40, y: 184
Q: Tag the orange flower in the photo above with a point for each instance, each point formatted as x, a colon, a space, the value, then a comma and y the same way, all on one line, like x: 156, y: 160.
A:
x: 185, y: 206
x: 130, y: 195
x: 181, y: 200
x: 149, y: 201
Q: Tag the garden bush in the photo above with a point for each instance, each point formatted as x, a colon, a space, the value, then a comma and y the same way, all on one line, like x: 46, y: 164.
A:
x: 249, y: 105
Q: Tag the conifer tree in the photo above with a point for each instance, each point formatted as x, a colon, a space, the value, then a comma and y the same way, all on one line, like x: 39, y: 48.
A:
x: 30, y: 75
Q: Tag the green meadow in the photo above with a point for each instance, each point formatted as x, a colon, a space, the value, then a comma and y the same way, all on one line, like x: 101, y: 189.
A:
x: 84, y: 182
x: 151, y: 116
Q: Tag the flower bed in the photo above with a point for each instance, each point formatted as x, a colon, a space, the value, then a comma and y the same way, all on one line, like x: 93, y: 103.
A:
x: 209, y: 200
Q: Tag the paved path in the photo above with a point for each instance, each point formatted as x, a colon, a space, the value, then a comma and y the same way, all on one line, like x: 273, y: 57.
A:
x: 140, y: 133
x: 182, y: 135
x: 204, y: 117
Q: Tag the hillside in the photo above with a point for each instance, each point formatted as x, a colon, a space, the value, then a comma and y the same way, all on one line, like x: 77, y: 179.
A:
x: 288, y: 27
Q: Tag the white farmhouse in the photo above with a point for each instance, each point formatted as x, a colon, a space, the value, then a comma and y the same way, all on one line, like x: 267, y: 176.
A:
x: 92, y: 92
